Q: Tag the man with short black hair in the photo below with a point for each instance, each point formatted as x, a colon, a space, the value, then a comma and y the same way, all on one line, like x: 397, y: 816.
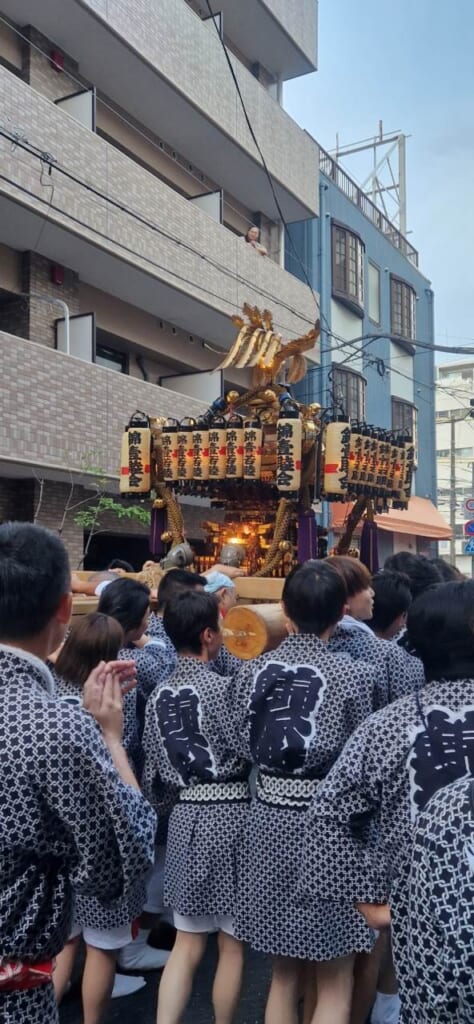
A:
x: 392, y: 599
x: 72, y: 817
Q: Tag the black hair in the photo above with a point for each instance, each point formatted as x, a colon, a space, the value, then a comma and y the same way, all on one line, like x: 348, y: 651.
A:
x: 187, y: 615
x: 34, y: 576
x: 392, y: 597
x: 440, y: 628
x: 118, y: 563
x: 421, y: 573
x: 449, y: 573
x: 125, y: 600
x: 175, y: 581
x: 314, y: 596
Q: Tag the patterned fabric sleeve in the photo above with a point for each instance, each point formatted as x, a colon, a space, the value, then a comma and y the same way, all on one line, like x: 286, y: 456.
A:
x: 111, y: 826
x: 226, y: 664
x: 341, y: 859
x: 161, y: 791
x: 405, y: 673
x: 437, y: 957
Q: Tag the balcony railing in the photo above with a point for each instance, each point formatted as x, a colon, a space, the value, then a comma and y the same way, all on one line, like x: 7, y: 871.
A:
x: 339, y: 176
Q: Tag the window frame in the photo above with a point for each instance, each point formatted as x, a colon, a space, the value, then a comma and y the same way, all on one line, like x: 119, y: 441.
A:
x: 371, y: 263
x: 354, y: 300
x: 407, y: 338
x: 122, y: 357
x: 353, y: 379
x: 411, y: 428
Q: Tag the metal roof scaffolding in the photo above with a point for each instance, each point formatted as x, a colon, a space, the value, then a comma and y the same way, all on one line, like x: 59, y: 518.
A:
x: 386, y: 181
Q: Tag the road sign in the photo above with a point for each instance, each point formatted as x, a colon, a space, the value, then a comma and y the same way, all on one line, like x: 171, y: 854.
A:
x: 469, y: 528
x: 469, y: 507
x: 469, y: 546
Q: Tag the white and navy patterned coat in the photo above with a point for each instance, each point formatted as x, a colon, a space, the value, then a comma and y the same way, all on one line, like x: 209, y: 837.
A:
x: 67, y: 822
x: 386, y: 774
x: 433, y: 930
x: 190, y: 750
x: 296, y: 706
x: 400, y: 672
x: 89, y: 911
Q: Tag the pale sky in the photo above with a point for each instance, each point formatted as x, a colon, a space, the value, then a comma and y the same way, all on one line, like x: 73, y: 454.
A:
x: 411, y: 64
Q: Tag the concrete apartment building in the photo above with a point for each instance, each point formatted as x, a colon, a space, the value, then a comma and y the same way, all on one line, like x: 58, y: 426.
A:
x: 455, y: 389
x: 128, y: 177
x: 375, y: 302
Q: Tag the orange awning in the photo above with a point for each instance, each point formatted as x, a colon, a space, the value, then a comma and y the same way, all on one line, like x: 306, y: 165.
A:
x: 421, y: 519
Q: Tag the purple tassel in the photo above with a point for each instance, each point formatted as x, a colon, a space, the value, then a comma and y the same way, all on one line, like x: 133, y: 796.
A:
x: 157, y: 527
x: 369, y: 549
x: 307, y: 536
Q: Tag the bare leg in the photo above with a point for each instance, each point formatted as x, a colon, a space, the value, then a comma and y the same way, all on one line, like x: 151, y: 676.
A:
x: 228, y: 978
x: 388, y: 979
x: 177, y: 979
x: 282, y: 1002
x: 335, y: 980
x: 97, y: 983
x: 310, y: 989
x: 366, y: 972
x: 64, y: 966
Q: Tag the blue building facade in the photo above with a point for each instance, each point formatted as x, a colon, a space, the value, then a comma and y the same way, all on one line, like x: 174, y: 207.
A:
x: 369, y: 284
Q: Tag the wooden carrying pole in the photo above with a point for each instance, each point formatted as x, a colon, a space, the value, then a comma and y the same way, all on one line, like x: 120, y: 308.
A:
x: 251, y: 630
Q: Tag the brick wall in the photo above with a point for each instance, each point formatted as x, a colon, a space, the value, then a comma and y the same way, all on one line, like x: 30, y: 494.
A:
x: 39, y: 72
x: 59, y: 412
x: 37, y: 276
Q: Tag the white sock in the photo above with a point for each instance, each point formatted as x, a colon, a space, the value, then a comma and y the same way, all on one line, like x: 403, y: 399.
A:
x: 125, y: 986
x: 386, y: 1009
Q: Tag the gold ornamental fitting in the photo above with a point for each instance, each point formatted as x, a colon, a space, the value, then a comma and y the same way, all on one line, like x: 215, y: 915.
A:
x: 166, y: 537
x: 232, y: 397
x: 314, y: 408
x: 159, y: 503
x: 284, y: 546
x: 269, y: 395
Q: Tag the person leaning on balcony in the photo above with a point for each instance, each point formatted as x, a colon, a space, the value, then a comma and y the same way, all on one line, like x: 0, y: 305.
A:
x: 252, y: 237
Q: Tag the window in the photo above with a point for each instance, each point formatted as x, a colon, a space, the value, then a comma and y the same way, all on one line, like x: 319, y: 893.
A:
x: 348, y: 267
x: 111, y: 359
x: 448, y: 414
x: 402, y: 300
x: 374, y: 293
x: 349, y: 393
x: 460, y: 453
x: 405, y: 420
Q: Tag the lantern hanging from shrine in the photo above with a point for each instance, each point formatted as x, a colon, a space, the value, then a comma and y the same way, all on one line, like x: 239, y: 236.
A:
x: 253, y: 439
x: 289, y: 447
x: 185, y: 448
x: 201, y: 450
x: 218, y: 448
x: 336, y: 460
x: 235, y: 447
x: 135, y: 461
x: 169, y: 447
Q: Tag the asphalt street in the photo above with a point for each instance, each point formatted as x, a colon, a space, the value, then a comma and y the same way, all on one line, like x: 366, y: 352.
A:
x: 141, y: 1008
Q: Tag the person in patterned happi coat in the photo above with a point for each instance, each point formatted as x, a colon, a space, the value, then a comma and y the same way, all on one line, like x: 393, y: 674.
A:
x: 392, y: 766
x: 72, y: 818
x: 176, y: 581
x: 402, y: 672
x: 128, y: 601
x: 92, y: 639
x: 298, y: 705
x: 436, y: 962
x: 191, y: 761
